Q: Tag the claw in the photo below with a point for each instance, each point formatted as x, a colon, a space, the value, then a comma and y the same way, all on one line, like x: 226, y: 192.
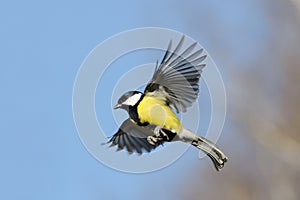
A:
x: 161, y: 135
x: 164, y: 135
x: 152, y: 140
x: 157, y: 130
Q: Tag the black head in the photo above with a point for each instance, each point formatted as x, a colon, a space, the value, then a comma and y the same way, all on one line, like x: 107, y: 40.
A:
x: 128, y: 99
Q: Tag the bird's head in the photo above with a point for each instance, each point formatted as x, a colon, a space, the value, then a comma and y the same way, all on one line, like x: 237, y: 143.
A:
x: 128, y: 99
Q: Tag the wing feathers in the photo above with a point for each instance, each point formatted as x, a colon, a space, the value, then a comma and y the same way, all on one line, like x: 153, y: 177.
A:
x: 167, y: 52
x: 133, y: 138
x: 176, y: 50
x: 176, y: 78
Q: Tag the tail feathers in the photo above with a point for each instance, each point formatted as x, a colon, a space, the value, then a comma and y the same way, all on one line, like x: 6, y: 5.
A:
x: 216, y: 155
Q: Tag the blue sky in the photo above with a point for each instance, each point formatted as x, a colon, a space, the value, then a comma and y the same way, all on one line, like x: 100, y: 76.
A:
x: 42, y: 46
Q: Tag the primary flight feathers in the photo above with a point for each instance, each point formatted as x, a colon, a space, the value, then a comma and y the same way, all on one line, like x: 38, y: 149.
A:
x: 133, y: 137
x: 177, y: 76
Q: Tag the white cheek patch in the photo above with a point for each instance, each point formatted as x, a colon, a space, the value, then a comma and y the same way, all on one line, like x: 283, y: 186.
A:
x: 131, y: 101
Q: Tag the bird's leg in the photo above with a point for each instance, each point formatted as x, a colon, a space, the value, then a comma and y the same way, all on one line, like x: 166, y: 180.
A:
x: 160, y: 135
x: 167, y: 135
x: 152, y: 140
x: 156, y: 138
x: 157, y: 130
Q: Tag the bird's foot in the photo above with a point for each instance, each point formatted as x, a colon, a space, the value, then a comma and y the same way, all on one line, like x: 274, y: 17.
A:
x: 157, y: 138
x: 161, y: 135
x: 157, y: 130
x: 164, y: 135
x: 154, y: 140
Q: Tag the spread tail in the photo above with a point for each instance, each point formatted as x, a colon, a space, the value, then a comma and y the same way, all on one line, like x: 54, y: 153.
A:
x: 216, y: 155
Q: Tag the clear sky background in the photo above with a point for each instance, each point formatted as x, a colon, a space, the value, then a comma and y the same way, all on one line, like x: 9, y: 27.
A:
x: 43, y: 44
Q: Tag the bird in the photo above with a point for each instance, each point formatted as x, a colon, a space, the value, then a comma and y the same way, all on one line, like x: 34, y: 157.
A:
x: 152, y: 114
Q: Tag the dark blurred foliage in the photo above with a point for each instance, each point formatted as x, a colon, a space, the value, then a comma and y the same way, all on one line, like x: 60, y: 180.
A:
x: 260, y: 64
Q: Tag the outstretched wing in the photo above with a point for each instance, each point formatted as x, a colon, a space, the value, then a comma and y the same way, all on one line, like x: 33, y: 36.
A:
x: 133, y: 137
x: 176, y: 78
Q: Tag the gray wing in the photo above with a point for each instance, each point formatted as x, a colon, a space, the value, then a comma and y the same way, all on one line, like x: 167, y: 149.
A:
x: 176, y: 78
x: 133, y: 137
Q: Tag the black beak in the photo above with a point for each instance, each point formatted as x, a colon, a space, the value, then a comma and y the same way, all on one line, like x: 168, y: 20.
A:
x: 117, y: 106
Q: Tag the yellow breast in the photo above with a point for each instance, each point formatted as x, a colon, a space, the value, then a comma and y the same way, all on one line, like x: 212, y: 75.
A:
x: 155, y: 111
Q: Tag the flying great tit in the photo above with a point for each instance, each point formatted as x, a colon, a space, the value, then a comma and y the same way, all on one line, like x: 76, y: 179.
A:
x: 152, y: 119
